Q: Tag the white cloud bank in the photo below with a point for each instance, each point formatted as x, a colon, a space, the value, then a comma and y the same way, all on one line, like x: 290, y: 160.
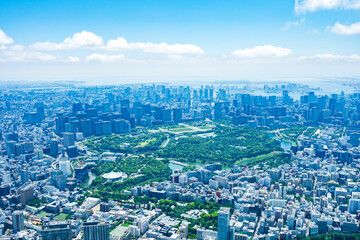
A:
x: 303, y: 6
x: 95, y: 57
x: 332, y: 57
x: 341, y: 29
x: 19, y: 54
x: 10, y: 52
x: 73, y: 59
x: 89, y: 40
x: 262, y: 51
x: 4, y: 39
x: 121, y: 44
x: 83, y: 39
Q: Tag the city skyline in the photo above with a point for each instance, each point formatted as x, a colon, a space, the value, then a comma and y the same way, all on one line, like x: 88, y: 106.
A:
x: 138, y: 41
x: 173, y: 162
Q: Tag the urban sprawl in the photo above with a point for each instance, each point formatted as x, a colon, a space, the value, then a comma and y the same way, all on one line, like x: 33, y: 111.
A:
x: 157, y: 161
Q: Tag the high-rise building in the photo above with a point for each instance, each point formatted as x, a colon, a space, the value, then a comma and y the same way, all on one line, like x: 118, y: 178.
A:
x: 223, y: 223
x: 120, y: 126
x: 26, y: 195
x: 60, y: 124
x: 106, y: 128
x: 158, y: 113
x: 10, y: 148
x: 332, y: 105
x: 211, y: 93
x: 218, y: 110
x: 177, y: 115
x: 12, y: 137
x: 68, y: 139
x: 354, y: 205
x: 77, y: 107
x: 64, y: 165
x: 138, y: 114
x: 4, y: 190
x: 96, y: 231
x: 58, y: 231
x: 166, y: 115
x: 282, y: 192
x: 285, y: 96
x: 58, y: 179
x: 24, y: 175
x: 54, y: 148
x: 104, y: 207
x: 125, y: 103
x: 81, y: 172
x: 18, y: 221
x: 6, y: 178
x: 85, y: 127
x: 40, y: 112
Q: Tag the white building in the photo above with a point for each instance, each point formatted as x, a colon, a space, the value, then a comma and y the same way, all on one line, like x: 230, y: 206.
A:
x: 64, y: 165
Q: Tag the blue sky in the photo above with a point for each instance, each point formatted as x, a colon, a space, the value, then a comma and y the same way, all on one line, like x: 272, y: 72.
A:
x: 179, y: 40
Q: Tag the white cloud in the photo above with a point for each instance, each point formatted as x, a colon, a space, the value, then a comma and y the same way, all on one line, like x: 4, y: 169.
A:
x: 73, y: 59
x: 176, y: 57
x: 17, y: 47
x: 19, y: 53
x: 95, y: 57
x: 303, y: 6
x: 332, y: 57
x: 289, y: 25
x: 90, y: 40
x: 83, y: 39
x: 351, y: 4
x: 4, y: 39
x: 25, y: 56
x: 339, y: 28
x: 173, y: 49
x: 262, y: 51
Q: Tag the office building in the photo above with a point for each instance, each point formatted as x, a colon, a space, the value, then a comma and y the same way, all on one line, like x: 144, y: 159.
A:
x: 56, y: 231
x: 18, y: 221
x: 26, y: 195
x: 68, y: 139
x: 223, y: 223
x: 96, y: 231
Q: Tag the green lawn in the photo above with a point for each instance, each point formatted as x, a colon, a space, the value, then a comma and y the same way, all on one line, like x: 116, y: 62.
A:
x: 43, y: 214
x: 61, y: 216
x: 143, y: 144
x: 126, y: 224
x: 179, y: 130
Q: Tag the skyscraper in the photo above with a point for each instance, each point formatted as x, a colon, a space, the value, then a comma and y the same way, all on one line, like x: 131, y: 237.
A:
x: 69, y: 139
x: 285, y: 97
x: 177, y: 115
x: 96, y: 231
x: 24, y: 175
x: 64, y: 165
x: 223, y: 223
x: 26, y: 195
x: 18, y: 221
x: 85, y: 127
x: 58, y: 231
x: 218, y: 110
x: 282, y: 192
x: 54, y: 149
x: 58, y: 179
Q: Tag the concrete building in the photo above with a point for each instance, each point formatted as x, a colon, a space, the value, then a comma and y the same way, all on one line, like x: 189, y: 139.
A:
x: 18, y: 221
x: 223, y: 223
x: 58, y: 231
x: 96, y: 231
